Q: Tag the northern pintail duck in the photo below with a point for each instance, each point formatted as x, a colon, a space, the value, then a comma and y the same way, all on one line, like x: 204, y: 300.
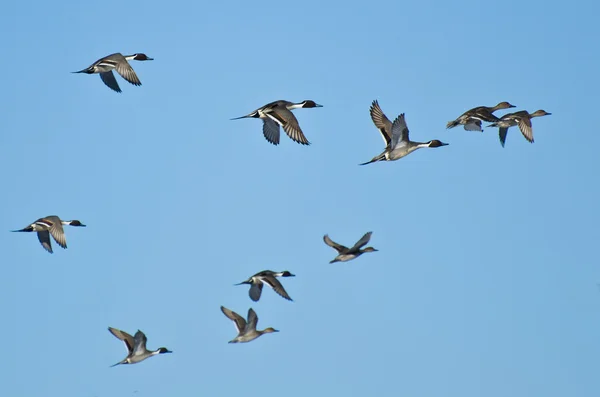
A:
x: 395, y: 136
x: 279, y: 113
x: 345, y: 253
x: 472, y: 118
x: 120, y: 63
x: 267, y: 277
x: 50, y: 225
x: 522, y: 119
x: 246, y: 330
x: 136, y: 347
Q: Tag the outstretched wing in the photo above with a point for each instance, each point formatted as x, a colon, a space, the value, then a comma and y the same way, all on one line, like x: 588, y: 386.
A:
x: 276, y: 285
x: 240, y: 323
x: 338, y: 247
x: 383, y: 124
x: 363, y: 241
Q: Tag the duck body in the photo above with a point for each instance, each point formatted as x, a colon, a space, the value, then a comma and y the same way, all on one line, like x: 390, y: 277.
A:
x: 279, y: 113
x: 48, y: 226
x: 472, y: 118
x: 344, y: 253
x: 247, y: 331
x: 136, y: 347
x: 522, y: 119
x: 268, y: 277
x: 118, y: 62
x: 396, y: 137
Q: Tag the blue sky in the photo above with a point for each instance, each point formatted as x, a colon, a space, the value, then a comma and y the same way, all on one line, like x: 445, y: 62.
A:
x: 485, y: 282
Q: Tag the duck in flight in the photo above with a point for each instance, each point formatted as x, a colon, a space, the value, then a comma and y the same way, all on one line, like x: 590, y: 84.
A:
x: 246, y: 330
x: 136, y: 347
x: 279, y: 113
x: 345, y: 253
x: 472, y: 118
x: 50, y: 225
x: 120, y: 63
x: 270, y: 278
x: 522, y: 119
x: 395, y: 136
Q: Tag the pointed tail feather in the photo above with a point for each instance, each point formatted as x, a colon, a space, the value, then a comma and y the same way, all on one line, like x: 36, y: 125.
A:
x: 249, y: 115
x: 452, y: 124
x: 241, y: 117
x: 27, y: 229
x: 86, y: 70
x: 374, y: 159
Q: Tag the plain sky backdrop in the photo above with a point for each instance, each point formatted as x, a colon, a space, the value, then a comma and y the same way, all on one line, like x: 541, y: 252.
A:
x: 485, y: 283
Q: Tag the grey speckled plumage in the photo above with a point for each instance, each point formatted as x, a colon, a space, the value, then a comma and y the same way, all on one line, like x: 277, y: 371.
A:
x: 279, y: 113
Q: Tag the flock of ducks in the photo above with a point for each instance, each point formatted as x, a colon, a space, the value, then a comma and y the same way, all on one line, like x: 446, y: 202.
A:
x: 276, y: 115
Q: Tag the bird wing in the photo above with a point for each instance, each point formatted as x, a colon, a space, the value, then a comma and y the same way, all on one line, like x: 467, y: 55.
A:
x: 383, y: 124
x: 399, y: 132
x: 473, y: 125
x: 255, y: 291
x: 363, y: 241
x: 240, y: 323
x: 139, y: 343
x: 284, y: 117
x: 271, y: 131
x: 44, y: 237
x: 502, y: 131
x: 276, y: 285
x: 525, y: 127
x: 124, y: 336
x: 338, y: 247
x: 125, y: 70
x: 108, y: 78
x: 57, y: 231
x: 252, y: 319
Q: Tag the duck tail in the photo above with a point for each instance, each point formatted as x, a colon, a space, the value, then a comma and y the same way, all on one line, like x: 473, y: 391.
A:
x: 27, y: 229
x: 86, y: 70
x: 452, y: 124
x: 374, y: 159
x: 254, y: 115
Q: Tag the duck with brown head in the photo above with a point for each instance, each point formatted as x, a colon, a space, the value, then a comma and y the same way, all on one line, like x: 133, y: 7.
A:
x: 120, y: 63
x: 279, y: 113
x: 268, y: 277
x: 48, y: 226
x: 472, y: 118
x: 521, y: 119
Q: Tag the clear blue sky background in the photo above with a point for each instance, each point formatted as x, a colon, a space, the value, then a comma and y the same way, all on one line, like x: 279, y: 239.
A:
x: 486, y: 279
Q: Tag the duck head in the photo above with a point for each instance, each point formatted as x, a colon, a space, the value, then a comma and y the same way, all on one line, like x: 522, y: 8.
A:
x: 436, y: 143
x: 310, y: 104
x: 142, y: 57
